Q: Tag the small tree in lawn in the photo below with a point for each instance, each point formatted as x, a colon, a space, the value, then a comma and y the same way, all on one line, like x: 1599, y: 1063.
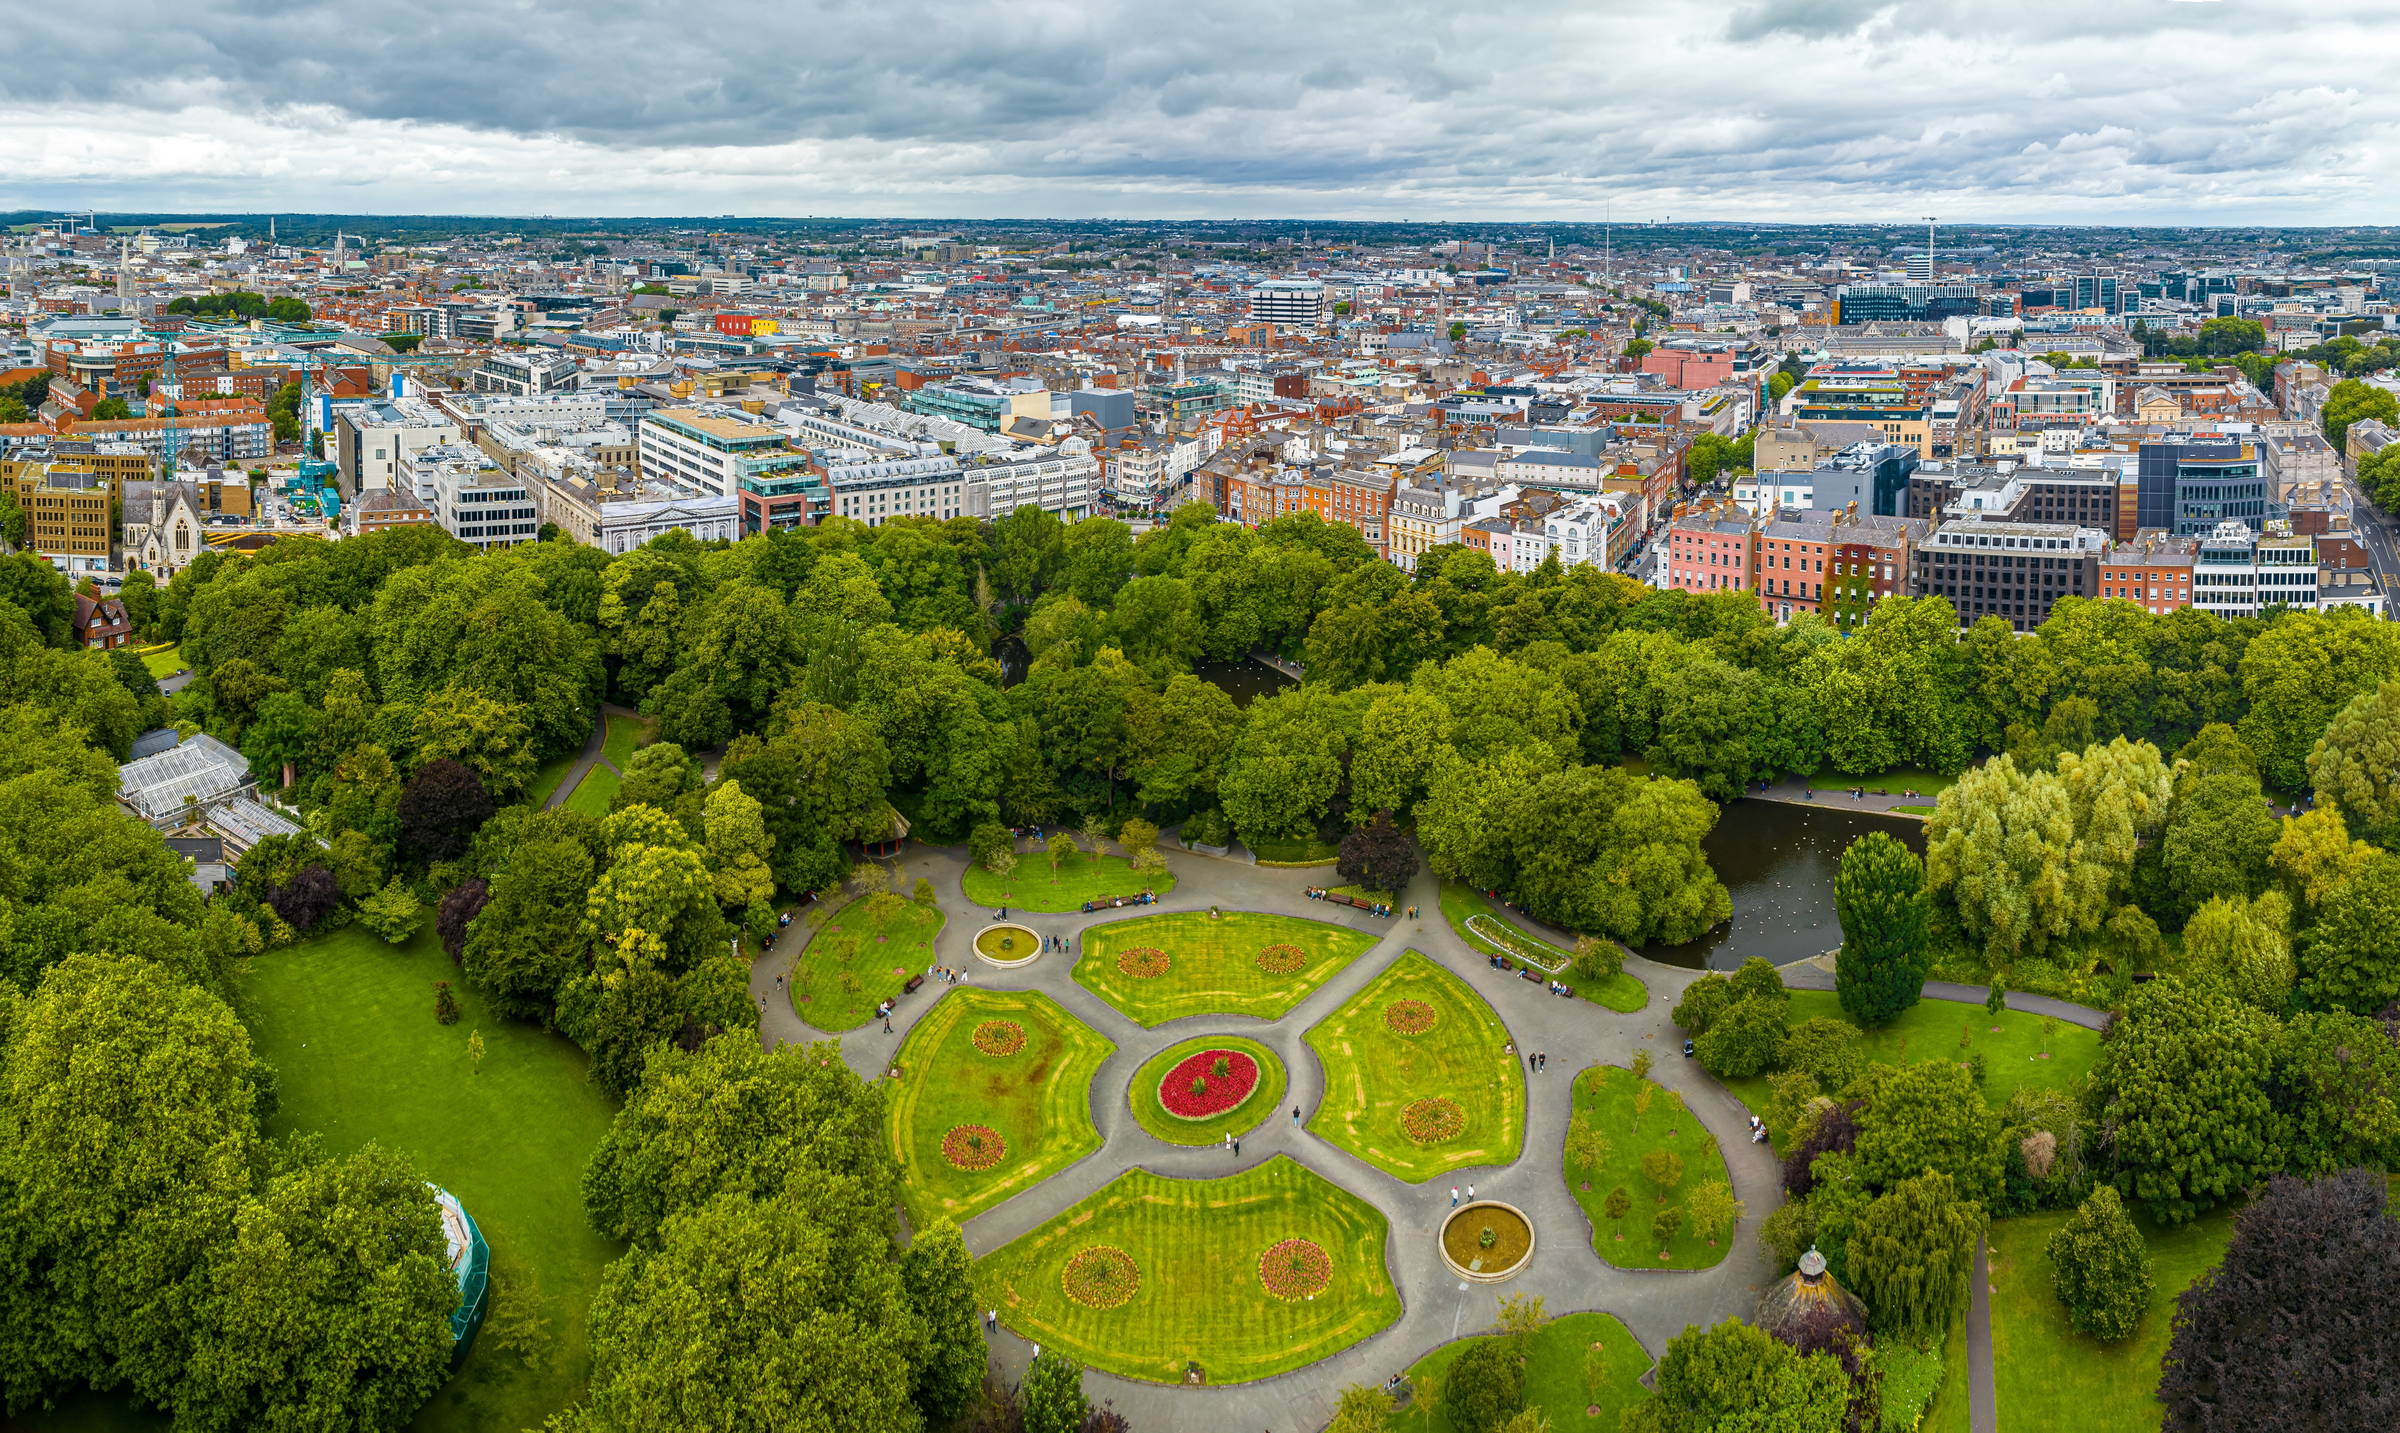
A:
x: 2101, y: 1268
x: 987, y: 840
x: 1642, y: 1061
x: 475, y: 1052
x: 1664, y: 1169
x: 1095, y: 831
x: 2049, y: 1028
x: 923, y: 892
x: 1137, y: 836
x: 1997, y: 999
x: 1663, y: 1225
x: 1641, y: 1104
x: 1595, y: 1372
x: 1528, y: 1420
x: 1586, y: 1147
x: 1521, y: 1318
x: 870, y: 878
x: 1597, y: 960
x: 1620, y: 1204
x: 1002, y: 864
x: 393, y: 912
x: 1713, y: 1207
x: 445, y: 1003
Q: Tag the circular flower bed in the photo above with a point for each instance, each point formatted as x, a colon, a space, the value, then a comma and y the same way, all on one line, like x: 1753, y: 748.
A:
x: 1282, y: 960
x: 1101, y: 1276
x: 1433, y: 1120
x: 1294, y: 1270
x: 974, y: 1148
x: 1208, y: 1084
x: 1142, y: 962
x: 999, y: 1037
x: 1409, y: 1017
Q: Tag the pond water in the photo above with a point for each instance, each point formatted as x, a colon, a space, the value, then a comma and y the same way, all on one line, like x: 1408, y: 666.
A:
x: 1778, y: 861
x: 1243, y: 681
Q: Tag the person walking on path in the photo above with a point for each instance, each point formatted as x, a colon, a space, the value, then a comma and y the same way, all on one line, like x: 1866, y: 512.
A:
x: 1295, y: 1114
x: 1454, y: 1196
x: 1470, y: 1194
x: 887, y: 1024
x: 1229, y: 1144
x: 1237, y: 1149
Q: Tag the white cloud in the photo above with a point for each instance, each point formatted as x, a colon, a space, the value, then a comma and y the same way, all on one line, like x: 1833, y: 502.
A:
x: 2144, y: 111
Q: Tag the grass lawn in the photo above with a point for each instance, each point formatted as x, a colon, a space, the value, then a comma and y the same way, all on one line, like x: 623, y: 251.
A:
x: 1915, y: 810
x: 1927, y: 784
x: 347, y: 1021
x: 1196, y: 1244
x: 1038, y: 1099
x: 1384, y: 898
x: 1620, y: 992
x: 547, y: 777
x: 1264, y: 1102
x: 1308, y: 851
x: 2045, y: 1374
x: 626, y: 735
x: 1079, y: 879
x: 1554, y: 1376
x: 1373, y: 1073
x: 877, y: 957
x: 1929, y: 1029
x: 1946, y: 1412
x: 592, y: 794
x: 164, y: 663
x: 1668, y: 1125
x: 1213, y: 963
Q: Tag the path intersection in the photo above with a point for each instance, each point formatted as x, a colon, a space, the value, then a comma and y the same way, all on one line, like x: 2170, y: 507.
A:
x: 1654, y: 1304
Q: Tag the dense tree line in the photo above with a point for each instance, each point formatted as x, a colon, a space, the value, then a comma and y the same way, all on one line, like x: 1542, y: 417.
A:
x: 159, y: 1245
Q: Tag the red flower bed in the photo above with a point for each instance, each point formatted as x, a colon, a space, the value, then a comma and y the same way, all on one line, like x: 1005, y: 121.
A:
x: 1196, y: 1089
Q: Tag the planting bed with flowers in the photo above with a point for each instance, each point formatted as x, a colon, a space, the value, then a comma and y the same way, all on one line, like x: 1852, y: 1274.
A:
x: 1282, y: 959
x: 1409, y: 1017
x: 1208, y: 1084
x: 974, y: 1148
x: 1143, y: 962
x: 1165, y: 1079
x: 1101, y: 1277
x: 1295, y: 1269
x: 1433, y: 1120
x: 999, y: 1037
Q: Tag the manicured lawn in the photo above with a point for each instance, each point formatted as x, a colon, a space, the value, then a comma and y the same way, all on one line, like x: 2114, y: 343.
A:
x: 1620, y: 992
x: 1373, y: 1073
x: 592, y: 794
x: 164, y: 663
x: 2046, y: 1375
x: 1196, y: 1246
x: 877, y: 957
x: 347, y: 1021
x: 1213, y: 963
x: 1272, y: 851
x: 1668, y: 1125
x: 1264, y: 1102
x: 1927, y: 784
x: 547, y: 777
x: 1079, y: 879
x: 1037, y: 1099
x: 1929, y: 1030
x: 1554, y: 1376
x: 1385, y: 898
x: 626, y: 735
x: 1915, y: 810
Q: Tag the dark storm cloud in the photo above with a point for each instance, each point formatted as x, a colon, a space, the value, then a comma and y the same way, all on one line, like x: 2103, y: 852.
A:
x: 1782, y: 108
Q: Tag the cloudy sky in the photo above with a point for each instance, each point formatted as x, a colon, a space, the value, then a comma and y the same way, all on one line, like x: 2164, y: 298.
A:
x: 2150, y: 111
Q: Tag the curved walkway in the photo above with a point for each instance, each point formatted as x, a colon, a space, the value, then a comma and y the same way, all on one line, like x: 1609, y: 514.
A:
x: 1654, y: 1304
x: 585, y: 760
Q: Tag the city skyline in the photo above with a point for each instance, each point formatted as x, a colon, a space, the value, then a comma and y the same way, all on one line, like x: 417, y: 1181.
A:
x: 1791, y: 110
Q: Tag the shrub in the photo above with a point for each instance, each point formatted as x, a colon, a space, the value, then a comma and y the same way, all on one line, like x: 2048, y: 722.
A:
x: 1757, y: 980
x: 393, y: 912
x: 445, y: 1003
x: 988, y: 840
x: 460, y: 905
x: 2101, y: 1269
x: 307, y: 898
x: 1826, y: 1050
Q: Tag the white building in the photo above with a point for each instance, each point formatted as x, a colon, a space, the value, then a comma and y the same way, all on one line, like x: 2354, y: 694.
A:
x: 874, y: 491
x: 2238, y: 571
x: 472, y: 498
x: 1297, y: 302
x: 372, y: 440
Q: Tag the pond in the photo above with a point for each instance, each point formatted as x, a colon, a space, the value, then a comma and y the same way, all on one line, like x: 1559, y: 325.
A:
x: 1778, y: 861
x: 1243, y: 681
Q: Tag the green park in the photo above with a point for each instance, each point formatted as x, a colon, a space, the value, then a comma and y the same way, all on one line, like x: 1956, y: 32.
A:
x: 1420, y: 1075
x: 1163, y: 967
